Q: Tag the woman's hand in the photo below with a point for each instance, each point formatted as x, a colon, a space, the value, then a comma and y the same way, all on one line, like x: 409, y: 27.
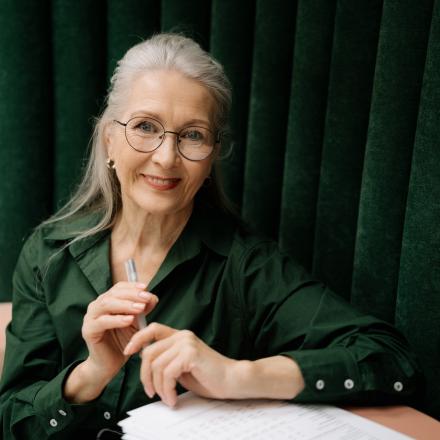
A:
x: 180, y: 356
x: 109, y: 324
x: 107, y: 327
x: 171, y: 356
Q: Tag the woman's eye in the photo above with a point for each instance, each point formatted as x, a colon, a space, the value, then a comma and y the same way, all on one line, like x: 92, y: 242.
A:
x: 193, y: 135
x: 147, y: 127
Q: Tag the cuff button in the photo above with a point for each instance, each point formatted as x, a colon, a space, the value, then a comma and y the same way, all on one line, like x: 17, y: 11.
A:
x: 348, y: 384
x: 398, y: 386
x: 53, y: 423
x: 320, y: 384
x: 107, y: 415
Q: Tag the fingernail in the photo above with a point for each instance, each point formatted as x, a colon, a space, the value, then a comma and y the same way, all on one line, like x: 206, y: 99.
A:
x: 145, y: 295
x: 141, y: 285
x: 148, y: 393
x: 127, y: 318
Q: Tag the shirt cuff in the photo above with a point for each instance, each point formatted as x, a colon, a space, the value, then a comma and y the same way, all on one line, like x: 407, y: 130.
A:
x: 329, y: 374
x: 57, y: 414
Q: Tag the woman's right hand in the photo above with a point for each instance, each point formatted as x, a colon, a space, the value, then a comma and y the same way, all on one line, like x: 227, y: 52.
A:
x: 107, y: 327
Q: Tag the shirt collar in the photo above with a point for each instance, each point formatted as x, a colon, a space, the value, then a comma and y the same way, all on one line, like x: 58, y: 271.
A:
x: 208, y: 225
x: 65, y: 231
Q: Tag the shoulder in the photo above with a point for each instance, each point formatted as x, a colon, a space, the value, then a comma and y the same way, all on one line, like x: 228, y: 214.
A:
x: 234, y: 239
x: 259, y: 261
x: 250, y: 247
x: 249, y: 242
x: 50, y: 237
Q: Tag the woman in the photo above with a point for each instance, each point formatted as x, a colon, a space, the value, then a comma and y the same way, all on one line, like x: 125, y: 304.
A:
x: 230, y: 316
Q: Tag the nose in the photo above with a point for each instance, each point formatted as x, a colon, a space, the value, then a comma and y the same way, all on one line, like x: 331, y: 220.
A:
x: 167, y: 155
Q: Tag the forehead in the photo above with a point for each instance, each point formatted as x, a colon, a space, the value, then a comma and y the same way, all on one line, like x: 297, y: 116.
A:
x: 171, y: 96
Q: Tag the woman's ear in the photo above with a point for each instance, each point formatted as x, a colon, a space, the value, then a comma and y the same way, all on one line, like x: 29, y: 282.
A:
x: 108, y: 139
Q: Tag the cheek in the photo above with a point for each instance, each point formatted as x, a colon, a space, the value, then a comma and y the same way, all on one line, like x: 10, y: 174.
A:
x: 197, y: 176
x: 126, y: 170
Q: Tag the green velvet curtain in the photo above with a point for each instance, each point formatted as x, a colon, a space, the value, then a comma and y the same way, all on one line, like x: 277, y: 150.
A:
x: 335, y: 132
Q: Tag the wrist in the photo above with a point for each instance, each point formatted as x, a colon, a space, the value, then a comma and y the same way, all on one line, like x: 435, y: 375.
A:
x: 84, y: 384
x: 277, y: 377
x: 243, y: 374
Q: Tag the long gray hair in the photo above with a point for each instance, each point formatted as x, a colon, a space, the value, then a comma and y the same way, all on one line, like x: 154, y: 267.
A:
x: 99, y: 190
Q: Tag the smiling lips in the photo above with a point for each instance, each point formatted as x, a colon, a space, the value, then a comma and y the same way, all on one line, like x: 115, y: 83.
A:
x: 161, y: 183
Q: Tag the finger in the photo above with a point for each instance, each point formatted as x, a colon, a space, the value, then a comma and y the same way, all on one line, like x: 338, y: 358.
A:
x: 152, y: 351
x: 133, y: 292
x: 145, y: 377
x: 110, y: 305
x: 159, y: 366
x: 155, y: 358
x: 151, y: 304
x: 149, y: 354
x: 94, y: 328
x: 171, y: 374
x: 153, y: 332
x: 123, y: 284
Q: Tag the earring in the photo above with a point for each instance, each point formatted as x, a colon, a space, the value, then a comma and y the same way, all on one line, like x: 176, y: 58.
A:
x: 110, y: 164
x: 207, y: 182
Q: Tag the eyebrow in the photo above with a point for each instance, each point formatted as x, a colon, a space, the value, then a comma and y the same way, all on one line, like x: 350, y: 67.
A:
x: 156, y: 116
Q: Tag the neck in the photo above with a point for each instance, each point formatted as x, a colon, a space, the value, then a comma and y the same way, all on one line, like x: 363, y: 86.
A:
x: 141, y: 233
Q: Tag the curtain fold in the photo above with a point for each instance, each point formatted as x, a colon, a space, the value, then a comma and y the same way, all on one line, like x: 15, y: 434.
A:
x: 305, y: 127
x: 392, y: 124
x: 418, y: 299
x: 233, y: 22
x: 193, y: 17
x: 79, y: 76
x: 270, y: 88
x: 129, y: 22
x: 353, y: 60
x: 26, y: 118
x: 334, y: 132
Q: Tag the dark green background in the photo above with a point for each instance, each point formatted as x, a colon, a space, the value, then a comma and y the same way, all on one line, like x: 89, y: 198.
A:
x: 335, y: 127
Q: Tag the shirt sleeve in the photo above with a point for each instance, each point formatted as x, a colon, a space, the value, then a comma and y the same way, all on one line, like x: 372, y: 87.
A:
x: 344, y: 355
x: 31, y: 398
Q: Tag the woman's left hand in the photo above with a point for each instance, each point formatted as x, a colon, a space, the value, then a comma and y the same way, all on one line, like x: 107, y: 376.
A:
x: 172, y: 356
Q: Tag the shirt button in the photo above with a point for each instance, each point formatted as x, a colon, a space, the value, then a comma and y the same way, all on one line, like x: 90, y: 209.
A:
x: 62, y: 412
x: 107, y: 415
x: 53, y: 423
x: 398, y: 386
x: 320, y: 384
x: 348, y: 384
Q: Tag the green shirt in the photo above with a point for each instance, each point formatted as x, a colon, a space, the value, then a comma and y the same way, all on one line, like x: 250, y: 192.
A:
x: 236, y: 291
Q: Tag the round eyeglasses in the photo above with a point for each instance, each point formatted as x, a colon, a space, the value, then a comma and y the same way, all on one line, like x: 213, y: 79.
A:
x: 146, y: 134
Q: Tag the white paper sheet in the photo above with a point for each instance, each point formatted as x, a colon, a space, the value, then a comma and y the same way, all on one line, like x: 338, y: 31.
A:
x: 195, y: 418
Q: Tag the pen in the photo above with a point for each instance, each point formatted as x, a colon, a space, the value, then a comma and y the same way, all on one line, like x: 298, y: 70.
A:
x: 132, y: 276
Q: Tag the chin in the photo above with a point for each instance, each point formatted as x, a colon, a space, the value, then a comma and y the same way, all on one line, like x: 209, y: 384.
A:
x: 158, y: 204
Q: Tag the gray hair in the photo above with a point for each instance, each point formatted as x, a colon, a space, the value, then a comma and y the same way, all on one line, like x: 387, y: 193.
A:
x: 99, y: 190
